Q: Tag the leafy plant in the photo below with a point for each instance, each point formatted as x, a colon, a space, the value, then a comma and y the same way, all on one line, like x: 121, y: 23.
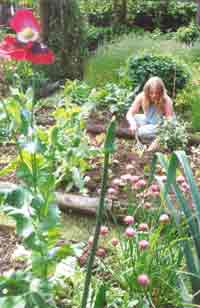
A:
x: 187, y: 102
x: 190, y: 245
x: 188, y: 35
x: 175, y: 76
x: 32, y: 205
x: 172, y: 134
x: 13, y: 73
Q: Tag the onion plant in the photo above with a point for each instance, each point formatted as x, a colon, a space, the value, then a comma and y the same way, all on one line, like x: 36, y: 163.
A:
x: 191, y: 244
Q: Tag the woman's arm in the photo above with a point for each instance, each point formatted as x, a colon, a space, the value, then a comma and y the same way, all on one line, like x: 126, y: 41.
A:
x: 133, y: 110
x: 168, y: 110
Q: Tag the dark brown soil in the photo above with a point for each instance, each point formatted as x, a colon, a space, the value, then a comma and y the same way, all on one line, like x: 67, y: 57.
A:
x: 8, y: 242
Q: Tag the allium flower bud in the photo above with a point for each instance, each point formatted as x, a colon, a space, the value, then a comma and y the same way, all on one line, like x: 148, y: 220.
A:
x: 185, y: 187
x: 129, y: 220
x: 115, y: 241
x: 101, y: 252
x: 180, y: 179
x: 143, y: 280
x: 126, y: 177
x: 129, y: 167
x: 140, y: 184
x: 143, y: 227
x: 116, y: 182
x: 104, y: 230
x: 164, y: 219
x: 90, y: 240
x: 135, y: 179
x: 112, y: 191
x: 143, y: 244
x: 147, y: 205
x: 130, y: 232
x: 154, y: 188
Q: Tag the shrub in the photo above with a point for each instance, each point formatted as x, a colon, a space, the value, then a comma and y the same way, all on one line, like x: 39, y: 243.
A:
x: 187, y: 101
x: 97, y: 35
x: 188, y: 35
x: 172, y: 134
x: 175, y: 76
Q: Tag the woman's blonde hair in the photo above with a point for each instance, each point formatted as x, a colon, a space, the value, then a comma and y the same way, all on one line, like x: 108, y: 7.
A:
x: 155, y: 83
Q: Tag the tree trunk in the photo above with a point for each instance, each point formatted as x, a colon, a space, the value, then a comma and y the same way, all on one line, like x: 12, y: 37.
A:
x: 198, y: 12
x: 120, y: 12
x: 123, y: 11
x: 62, y: 30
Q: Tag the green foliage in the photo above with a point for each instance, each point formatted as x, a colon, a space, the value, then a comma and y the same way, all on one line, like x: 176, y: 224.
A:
x: 187, y: 101
x: 22, y: 74
x: 163, y: 14
x: 32, y: 205
x: 191, y: 245
x: 172, y: 134
x: 150, y: 14
x: 112, y: 97
x: 175, y: 76
x: 188, y: 35
x: 97, y: 35
x: 72, y: 149
x: 77, y: 91
x: 99, y: 13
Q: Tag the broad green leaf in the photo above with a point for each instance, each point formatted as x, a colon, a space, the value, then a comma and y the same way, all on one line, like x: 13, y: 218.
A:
x: 110, y: 136
x: 12, y: 302
x: 100, y: 300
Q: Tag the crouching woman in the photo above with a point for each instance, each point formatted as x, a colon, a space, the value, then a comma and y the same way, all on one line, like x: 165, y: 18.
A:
x: 156, y: 105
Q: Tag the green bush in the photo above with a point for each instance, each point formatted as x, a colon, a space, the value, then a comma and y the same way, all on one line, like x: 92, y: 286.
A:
x: 175, y: 76
x: 173, y: 135
x: 97, y: 35
x: 167, y: 15
x: 187, y: 101
x: 23, y: 74
x: 188, y: 35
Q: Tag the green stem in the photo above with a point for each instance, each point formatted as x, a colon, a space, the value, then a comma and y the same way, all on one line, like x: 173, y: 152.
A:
x: 100, y: 211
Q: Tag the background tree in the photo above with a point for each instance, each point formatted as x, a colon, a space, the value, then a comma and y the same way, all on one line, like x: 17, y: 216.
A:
x: 120, y: 11
x: 63, y: 30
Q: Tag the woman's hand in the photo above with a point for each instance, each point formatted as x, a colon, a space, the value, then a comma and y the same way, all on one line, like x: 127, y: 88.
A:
x: 133, y: 127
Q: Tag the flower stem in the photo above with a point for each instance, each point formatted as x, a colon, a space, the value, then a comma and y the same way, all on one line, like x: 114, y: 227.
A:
x: 100, y: 211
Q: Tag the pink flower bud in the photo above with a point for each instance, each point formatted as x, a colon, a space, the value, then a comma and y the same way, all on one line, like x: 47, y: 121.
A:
x: 112, y: 191
x: 143, y: 244
x: 104, y: 230
x: 143, y: 280
x: 143, y: 227
x: 126, y: 177
x: 180, y: 179
x: 90, y: 240
x: 115, y: 241
x: 154, y: 188
x: 185, y: 187
x: 101, y: 252
x: 147, y: 205
x: 164, y: 219
x: 116, y: 182
x: 129, y: 220
x: 140, y: 184
x: 129, y: 167
x: 135, y: 179
x: 130, y: 232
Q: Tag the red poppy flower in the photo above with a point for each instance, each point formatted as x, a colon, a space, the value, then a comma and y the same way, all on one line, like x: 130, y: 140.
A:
x: 26, y: 46
x: 24, y: 19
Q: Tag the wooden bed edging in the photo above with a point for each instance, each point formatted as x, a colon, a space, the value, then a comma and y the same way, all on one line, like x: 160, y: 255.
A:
x: 124, y: 132
x: 66, y: 201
